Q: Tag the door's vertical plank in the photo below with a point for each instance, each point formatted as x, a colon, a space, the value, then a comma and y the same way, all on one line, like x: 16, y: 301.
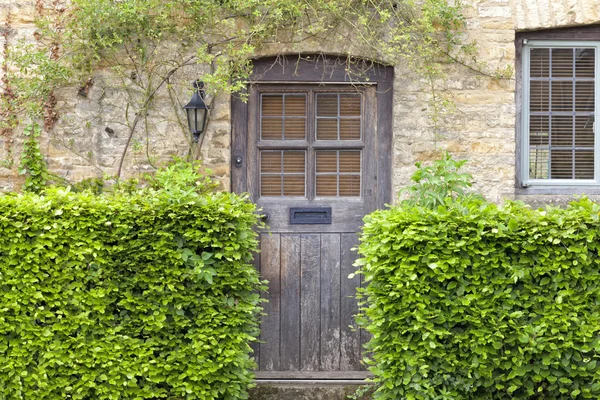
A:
x: 239, y: 137
x: 290, y: 303
x: 370, y: 158
x: 252, y: 170
x: 310, y: 281
x: 330, y: 301
x: 350, y: 335
x: 385, y: 134
x: 256, y: 345
x: 270, y: 270
x: 365, y: 336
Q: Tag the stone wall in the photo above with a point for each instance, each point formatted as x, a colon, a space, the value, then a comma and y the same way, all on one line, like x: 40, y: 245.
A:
x: 89, y: 136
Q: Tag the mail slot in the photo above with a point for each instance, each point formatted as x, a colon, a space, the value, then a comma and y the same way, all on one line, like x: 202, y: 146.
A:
x: 310, y: 215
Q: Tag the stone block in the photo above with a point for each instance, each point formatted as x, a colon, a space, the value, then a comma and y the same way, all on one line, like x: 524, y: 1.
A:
x: 494, y: 11
x: 23, y: 13
x: 307, y: 391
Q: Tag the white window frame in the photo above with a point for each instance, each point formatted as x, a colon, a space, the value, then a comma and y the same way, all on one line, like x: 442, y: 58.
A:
x: 525, y: 151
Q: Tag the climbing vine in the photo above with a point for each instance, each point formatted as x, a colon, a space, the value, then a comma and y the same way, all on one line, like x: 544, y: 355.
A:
x: 32, y: 164
x: 148, y: 49
x: 8, y: 116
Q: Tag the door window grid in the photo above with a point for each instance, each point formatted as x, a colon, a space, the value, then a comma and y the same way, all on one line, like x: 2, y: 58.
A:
x: 338, y: 173
x: 338, y: 116
x: 283, y: 173
x: 560, y: 104
x: 347, y: 111
x: 283, y: 116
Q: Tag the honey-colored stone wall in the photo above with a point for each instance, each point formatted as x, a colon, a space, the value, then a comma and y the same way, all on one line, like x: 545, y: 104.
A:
x: 482, y: 129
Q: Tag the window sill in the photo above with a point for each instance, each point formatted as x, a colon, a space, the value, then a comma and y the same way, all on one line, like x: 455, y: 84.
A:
x: 558, y: 190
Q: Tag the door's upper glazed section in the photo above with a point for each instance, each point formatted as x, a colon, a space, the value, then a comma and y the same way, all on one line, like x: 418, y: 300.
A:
x: 311, y: 143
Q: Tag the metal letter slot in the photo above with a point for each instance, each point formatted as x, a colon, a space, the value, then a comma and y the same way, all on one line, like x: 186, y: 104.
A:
x: 310, y: 215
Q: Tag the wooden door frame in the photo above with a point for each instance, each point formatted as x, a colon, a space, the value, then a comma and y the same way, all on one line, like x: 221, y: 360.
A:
x: 321, y: 70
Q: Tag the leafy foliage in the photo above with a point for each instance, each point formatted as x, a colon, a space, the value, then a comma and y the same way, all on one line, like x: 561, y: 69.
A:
x: 177, y: 177
x: 182, y: 176
x: 132, y: 296
x: 470, y: 300
x: 33, y: 164
x: 152, y: 47
x: 227, y: 34
x: 436, y: 183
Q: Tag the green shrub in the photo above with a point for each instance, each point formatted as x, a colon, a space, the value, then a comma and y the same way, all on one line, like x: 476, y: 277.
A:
x: 475, y: 301
x: 145, y: 295
x: 435, y: 183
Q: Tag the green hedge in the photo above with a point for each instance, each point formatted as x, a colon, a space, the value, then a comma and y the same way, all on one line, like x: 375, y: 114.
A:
x: 476, y: 301
x: 142, y: 296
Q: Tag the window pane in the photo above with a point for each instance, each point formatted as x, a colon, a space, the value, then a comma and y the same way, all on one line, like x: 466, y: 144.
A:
x: 562, y: 131
x: 562, y: 63
x: 561, y: 164
x: 327, y: 129
x: 584, y: 164
x: 270, y: 162
x: 539, y: 63
x: 295, y: 105
x: 584, y: 64
x: 584, y: 96
x: 327, y: 105
x: 584, y: 132
x: 270, y: 185
x: 326, y: 161
x: 350, y: 129
x: 562, y: 103
x: 293, y: 162
x: 295, y: 129
x: 562, y: 96
x: 539, y: 130
x: 293, y: 185
x: 271, y: 129
x: 350, y: 161
x: 350, y: 105
x: 539, y: 96
x: 538, y: 163
x: 326, y: 185
x: 349, y: 185
x: 272, y: 105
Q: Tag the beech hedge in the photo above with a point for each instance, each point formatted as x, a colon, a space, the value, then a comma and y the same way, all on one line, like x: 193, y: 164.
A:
x: 476, y: 301
x: 149, y: 295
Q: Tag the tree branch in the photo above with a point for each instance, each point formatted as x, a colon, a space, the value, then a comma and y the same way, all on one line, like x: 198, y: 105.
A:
x: 142, y: 111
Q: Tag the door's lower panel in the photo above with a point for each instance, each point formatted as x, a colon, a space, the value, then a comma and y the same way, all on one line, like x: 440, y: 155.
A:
x: 309, y: 325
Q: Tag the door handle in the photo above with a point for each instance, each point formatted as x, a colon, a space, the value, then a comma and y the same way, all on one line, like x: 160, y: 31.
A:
x: 238, y: 161
x: 264, y: 217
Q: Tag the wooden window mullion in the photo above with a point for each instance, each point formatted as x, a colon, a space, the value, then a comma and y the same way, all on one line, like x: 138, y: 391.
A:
x: 310, y: 151
x: 337, y: 160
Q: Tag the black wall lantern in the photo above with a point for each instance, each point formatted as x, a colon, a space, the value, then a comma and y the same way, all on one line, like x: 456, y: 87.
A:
x: 197, y: 111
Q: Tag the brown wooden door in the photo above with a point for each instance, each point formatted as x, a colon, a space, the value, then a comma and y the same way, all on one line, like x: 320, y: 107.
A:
x: 311, y: 158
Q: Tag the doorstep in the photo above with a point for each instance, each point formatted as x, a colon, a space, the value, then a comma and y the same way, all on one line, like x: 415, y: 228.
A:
x: 307, y: 389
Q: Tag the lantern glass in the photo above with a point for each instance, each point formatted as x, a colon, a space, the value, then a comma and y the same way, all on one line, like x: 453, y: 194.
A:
x: 196, y: 119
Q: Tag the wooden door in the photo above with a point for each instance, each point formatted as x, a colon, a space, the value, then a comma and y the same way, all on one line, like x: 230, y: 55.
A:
x: 311, y: 158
